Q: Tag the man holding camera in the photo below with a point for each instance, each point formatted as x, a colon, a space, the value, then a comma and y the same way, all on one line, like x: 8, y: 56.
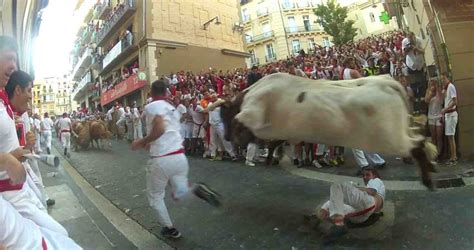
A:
x: 415, y: 62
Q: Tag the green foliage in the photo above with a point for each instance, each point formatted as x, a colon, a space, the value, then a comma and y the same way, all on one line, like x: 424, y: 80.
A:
x: 332, y: 18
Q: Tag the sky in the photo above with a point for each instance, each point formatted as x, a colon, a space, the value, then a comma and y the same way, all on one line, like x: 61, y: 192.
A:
x: 56, y: 38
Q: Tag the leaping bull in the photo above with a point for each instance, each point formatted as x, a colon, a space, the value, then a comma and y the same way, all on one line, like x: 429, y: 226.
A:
x: 367, y: 113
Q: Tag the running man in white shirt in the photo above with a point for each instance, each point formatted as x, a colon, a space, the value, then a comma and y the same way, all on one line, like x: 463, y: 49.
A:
x: 356, y: 204
x: 47, y: 128
x: 168, y: 162
x: 65, y: 128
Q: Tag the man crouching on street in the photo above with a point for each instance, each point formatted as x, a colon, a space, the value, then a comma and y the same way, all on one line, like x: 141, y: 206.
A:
x: 167, y: 160
x: 356, y: 204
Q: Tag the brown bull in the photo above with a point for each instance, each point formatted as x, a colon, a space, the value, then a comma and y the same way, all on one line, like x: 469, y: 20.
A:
x: 98, y: 131
x: 81, y: 136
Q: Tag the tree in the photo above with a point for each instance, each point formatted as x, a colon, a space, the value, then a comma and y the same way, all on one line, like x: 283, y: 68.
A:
x: 333, y: 19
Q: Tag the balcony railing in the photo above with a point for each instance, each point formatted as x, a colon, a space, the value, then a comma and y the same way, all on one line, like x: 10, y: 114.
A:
x: 270, y: 58
x: 120, y: 51
x: 83, y: 63
x: 109, y: 28
x: 299, y: 29
x: 102, y: 10
x: 262, y: 12
x: 263, y: 36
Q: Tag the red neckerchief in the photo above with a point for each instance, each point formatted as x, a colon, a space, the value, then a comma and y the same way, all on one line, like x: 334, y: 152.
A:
x: 6, y: 102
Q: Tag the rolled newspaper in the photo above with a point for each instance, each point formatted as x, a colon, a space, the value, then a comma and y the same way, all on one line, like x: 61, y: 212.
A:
x: 50, y: 160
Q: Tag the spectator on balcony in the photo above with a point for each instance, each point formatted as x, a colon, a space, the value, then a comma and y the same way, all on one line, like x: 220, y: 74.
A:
x: 125, y: 73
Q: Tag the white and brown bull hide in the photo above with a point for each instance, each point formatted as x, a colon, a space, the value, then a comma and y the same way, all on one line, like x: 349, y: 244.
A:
x: 367, y: 113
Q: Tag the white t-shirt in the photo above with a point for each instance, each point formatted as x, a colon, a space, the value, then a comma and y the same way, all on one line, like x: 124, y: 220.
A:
x: 26, y: 121
x: 8, y: 134
x: 37, y: 123
x: 47, y: 123
x: 215, y: 116
x: 18, y: 232
x: 182, y: 110
x: 64, y: 124
x: 109, y: 114
x: 198, y: 117
x: 378, y: 185
x: 449, y: 95
x: 171, y: 139
x: 414, y: 61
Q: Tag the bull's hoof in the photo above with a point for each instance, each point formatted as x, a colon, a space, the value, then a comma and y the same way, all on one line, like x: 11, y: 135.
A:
x: 428, y: 182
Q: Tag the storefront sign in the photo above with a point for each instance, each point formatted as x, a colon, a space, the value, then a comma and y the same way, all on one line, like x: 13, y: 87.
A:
x: 127, y: 86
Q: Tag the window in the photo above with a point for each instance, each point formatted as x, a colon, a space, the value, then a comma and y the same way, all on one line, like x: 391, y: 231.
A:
x: 262, y: 10
x: 287, y: 4
x: 372, y: 17
x: 245, y: 15
x: 311, y: 44
x: 292, y: 24
x: 307, y: 24
x: 418, y: 19
x: 413, y: 5
x: 303, y: 3
x: 269, y: 51
x: 248, y: 36
x: 253, y: 58
x: 326, y: 42
x: 422, y: 34
x: 266, y: 29
x: 295, y: 44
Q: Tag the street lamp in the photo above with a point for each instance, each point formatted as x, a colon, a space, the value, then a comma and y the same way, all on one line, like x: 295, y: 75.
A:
x: 206, y: 24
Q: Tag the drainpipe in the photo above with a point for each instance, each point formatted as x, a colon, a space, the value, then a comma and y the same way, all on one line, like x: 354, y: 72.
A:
x: 284, y: 30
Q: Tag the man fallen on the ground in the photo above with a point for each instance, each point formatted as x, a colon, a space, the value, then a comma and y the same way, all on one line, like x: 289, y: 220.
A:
x: 355, y: 204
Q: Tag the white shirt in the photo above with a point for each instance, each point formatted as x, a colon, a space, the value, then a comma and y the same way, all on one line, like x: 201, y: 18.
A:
x: 171, y: 139
x: 47, y: 124
x: 215, y: 116
x: 414, y: 61
x: 26, y: 121
x: 182, y: 110
x: 8, y: 134
x: 198, y: 118
x: 17, y: 232
x: 347, y: 74
x: 37, y: 124
x: 64, y: 124
x: 448, y: 96
x: 109, y: 114
x: 378, y: 185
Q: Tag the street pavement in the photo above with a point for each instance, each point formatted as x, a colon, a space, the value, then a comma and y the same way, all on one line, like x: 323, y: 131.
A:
x: 264, y: 207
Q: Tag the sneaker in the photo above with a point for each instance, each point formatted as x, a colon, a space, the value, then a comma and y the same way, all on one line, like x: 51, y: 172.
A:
x: 316, y: 164
x: 170, y: 233
x: 235, y: 158
x: 210, y: 196
x: 452, y: 162
x: 50, y: 202
x: 249, y: 163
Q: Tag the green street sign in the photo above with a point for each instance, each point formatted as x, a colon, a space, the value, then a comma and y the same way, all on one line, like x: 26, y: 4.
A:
x: 385, y: 17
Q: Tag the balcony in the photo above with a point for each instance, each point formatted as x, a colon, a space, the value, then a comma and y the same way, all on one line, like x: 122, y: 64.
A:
x: 83, y: 63
x: 119, y: 52
x: 118, y: 18
x: 258, y: 38
x: 80, y: 88
x: 262, y: 12
x: 270, y: 58
x: 303, y: 29
x: 102, y: 10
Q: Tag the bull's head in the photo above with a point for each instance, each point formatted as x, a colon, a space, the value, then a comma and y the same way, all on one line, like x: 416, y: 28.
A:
x: 234, y: 130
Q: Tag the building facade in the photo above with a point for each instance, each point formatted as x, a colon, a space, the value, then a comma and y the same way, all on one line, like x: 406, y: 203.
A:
x: 370, y: 18
x: 52, y: 95
x: 277, y: 29
x: 125, y: 45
